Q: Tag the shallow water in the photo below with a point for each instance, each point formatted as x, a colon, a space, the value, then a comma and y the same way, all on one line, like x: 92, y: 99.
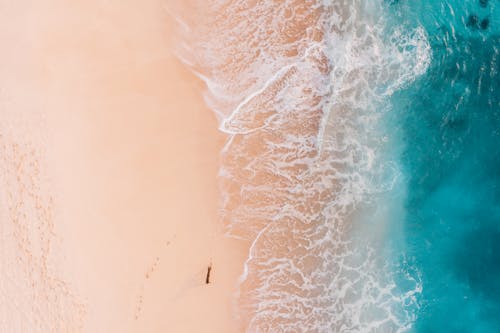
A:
x: 361, y: 159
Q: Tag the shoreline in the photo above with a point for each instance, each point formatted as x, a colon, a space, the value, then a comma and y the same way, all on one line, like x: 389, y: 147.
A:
x: 132, y: 156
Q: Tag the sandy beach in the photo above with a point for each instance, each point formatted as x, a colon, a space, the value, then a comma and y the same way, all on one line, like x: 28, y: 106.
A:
x: 224, y: 166
x: 121, y: 154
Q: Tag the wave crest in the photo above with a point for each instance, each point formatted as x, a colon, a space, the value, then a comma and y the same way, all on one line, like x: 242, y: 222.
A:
x: 300, y: 89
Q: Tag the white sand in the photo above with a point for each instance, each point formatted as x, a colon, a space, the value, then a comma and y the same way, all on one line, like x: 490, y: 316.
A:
x: 118, y: 180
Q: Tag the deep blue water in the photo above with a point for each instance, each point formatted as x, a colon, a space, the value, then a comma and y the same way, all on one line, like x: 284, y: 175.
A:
x: 449, y: 121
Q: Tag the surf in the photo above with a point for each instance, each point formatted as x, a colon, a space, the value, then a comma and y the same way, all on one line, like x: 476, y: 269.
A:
x: 308, y: 172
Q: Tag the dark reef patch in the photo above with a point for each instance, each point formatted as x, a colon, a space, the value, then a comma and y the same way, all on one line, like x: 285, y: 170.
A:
x: 485, y: 23
x: 472, y: 21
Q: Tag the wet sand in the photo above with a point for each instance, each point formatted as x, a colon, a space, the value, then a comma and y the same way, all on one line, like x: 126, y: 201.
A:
x: 126, y: 157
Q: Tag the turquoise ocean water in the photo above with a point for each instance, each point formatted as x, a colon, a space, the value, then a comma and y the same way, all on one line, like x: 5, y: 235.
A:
x: 447, y: 123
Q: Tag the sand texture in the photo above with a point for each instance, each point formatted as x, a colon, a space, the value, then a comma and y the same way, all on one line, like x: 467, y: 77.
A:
x: 108, y: 176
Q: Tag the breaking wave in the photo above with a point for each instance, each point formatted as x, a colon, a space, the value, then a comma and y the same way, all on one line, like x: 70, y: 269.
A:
x: 301, y: 88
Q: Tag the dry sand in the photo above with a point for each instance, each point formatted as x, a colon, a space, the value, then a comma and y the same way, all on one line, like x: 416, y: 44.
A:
x: 109, y: 162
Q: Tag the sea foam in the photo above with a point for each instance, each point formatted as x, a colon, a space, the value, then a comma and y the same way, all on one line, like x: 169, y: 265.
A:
x: 300, y: 88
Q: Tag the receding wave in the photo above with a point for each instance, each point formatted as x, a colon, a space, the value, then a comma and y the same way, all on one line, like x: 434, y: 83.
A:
x: 300, y: 88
